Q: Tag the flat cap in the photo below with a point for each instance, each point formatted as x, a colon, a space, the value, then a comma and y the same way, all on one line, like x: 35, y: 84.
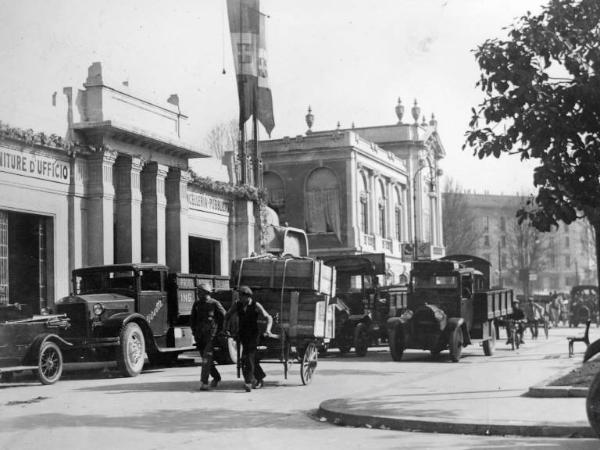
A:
x: 245, y: 290
x: 205, y: 287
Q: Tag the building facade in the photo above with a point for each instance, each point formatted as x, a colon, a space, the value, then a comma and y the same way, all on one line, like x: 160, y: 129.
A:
x: 361, y: 190
x: 549, y: 262
x: 117, y: 189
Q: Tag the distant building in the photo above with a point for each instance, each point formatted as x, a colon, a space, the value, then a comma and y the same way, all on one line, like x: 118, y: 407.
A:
x: 361, y: 190
x: 553, y: 261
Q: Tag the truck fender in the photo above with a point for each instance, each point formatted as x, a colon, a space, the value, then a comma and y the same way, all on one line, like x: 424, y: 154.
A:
x: 453, y: 324
x: 34, y: 349
x: 116, y: 322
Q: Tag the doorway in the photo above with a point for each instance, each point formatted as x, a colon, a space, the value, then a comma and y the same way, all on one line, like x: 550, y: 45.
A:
x: 205, y: 256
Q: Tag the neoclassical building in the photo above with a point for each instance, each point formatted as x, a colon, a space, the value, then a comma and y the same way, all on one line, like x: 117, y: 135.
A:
x: 361, y: 190
x: 117, y: 189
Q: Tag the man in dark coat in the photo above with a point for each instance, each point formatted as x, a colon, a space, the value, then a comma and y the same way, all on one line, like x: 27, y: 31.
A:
x: 206, y: 321
x: 249, y: 312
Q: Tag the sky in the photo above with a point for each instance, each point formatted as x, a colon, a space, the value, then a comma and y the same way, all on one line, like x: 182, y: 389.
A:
x: 350, y: 60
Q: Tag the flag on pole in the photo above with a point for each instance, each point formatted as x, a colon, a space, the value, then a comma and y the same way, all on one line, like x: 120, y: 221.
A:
x: 247, y: 28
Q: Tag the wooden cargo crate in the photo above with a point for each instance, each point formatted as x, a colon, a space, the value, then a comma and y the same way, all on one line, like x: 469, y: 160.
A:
x: 182, y: 291
x: 302, y: 314
x: 293, y: 274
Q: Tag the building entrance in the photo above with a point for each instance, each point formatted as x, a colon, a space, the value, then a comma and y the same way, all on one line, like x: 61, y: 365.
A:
x: 205, y: 256
x: 24, y: 265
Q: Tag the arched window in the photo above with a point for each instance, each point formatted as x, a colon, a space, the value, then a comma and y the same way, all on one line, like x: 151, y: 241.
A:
x: 275, y: 192
x: 381, y: 206
x: 398, y: 213
x: 364, y: 204
x: 322, y: 202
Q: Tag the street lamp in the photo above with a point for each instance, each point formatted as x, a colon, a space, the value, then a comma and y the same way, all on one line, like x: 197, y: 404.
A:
x: 423, y: 164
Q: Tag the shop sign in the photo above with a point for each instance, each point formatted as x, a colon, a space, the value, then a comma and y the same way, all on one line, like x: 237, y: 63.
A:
x: 38, y: 166
x: 208, y: 203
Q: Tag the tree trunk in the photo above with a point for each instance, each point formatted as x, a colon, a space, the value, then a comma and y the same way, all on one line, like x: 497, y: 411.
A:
x: 596, y: 226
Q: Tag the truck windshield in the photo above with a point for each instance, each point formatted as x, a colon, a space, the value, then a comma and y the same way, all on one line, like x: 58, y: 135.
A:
x: 102, y: 281
x: 434, y: 282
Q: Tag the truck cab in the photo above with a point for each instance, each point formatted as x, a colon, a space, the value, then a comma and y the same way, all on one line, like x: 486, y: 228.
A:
x: 449, y: 303
x: 124, y: 311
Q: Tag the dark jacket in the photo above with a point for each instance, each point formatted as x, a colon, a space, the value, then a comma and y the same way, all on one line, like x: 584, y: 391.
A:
x: 207, y: 316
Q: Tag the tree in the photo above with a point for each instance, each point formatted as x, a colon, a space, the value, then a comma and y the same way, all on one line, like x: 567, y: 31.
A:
x: 223, y: 137
x: 458, y: 219
x: 541, y: 89
x: 527, y: 248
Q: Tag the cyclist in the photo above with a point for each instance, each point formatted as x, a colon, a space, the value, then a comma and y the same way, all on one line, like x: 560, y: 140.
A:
x: 517, y: 317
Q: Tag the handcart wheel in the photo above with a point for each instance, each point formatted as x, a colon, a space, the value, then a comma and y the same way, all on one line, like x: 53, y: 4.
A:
x: 309, y: 363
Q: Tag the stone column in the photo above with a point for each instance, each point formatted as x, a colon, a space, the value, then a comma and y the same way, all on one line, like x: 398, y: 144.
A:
x: 154, y: 203
x: 101, y: 195
x: 128, y: 209
x: 77, y: 212
x: 177, y: 220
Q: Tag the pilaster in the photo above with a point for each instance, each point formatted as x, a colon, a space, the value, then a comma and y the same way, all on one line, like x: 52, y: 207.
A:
x: 101, y: 195
x: 153, y: 222
x: 177, y: 220
x: 77, y: 214
x: 128, y: 209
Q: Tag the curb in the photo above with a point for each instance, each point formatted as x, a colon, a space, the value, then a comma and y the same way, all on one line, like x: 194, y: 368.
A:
x: 336, y: 412
x: 543, y: 391
x: 546, y: 390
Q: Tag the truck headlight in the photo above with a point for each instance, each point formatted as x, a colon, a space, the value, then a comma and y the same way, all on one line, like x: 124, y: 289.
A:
x: 98, y: 309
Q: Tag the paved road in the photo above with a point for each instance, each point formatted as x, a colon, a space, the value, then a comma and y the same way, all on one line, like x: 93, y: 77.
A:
x: 162, y: 408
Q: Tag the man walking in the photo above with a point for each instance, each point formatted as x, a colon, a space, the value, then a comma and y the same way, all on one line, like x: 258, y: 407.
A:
x: 249, y: 312
x: 206, y: 320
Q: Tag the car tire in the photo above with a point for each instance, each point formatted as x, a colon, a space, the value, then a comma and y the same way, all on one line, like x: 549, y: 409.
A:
x: 396, y: 344
x: 490, y: 344
x: 130, y: 353
x: 50, y: 363
x: 456, y: 344
x: 361, y: 340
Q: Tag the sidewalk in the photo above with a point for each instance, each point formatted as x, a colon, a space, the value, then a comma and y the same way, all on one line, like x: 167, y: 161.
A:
x: 493, y: 401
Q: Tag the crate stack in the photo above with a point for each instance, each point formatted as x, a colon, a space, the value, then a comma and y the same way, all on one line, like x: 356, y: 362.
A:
x: 295, y: 291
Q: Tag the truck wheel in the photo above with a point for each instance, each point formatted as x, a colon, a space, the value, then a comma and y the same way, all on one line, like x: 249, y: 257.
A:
x: 361, y: 339
x: 456, y: 344
x: 50, y: 363
x: 490, y: 344
x: 396, y: 344
x: 130, y: 354
x: 592, y: 405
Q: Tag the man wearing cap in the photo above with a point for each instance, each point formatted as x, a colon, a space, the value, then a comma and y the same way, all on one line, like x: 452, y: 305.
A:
x: 249, y: 312
x: 206, y: 320
x: 518, y: 317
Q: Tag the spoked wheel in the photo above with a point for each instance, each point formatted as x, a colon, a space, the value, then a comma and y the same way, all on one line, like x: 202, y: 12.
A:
x: 490, y: 344
x: 456, y: 344
x: 361, y: 339
x: 309, y: 363
x: 50, y: 363
x: 130, y: 354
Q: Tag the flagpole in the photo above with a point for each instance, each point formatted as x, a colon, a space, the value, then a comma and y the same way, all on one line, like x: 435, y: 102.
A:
x: 242, y: 149
x: 257, y: 181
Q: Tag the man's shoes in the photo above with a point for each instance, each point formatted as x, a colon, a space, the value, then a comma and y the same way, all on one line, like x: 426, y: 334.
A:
x: 247, y: 387
x: 214, y: 383
x: 204, y: 387
x: 259, y: 384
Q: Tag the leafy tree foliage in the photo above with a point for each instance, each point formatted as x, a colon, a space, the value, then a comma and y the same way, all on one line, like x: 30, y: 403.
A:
x: 541, y: 89
x: 458, y: 219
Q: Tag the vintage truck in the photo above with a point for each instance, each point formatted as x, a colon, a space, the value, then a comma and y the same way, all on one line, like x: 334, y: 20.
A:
x: 449, y: 306
x: 123, y: 311
x: 363, y: 304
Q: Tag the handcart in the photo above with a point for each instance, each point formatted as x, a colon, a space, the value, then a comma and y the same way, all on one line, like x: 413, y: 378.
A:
x: 296, y: 292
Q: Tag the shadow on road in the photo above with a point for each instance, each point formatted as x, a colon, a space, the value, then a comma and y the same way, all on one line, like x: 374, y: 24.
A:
x: 166, y: 420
